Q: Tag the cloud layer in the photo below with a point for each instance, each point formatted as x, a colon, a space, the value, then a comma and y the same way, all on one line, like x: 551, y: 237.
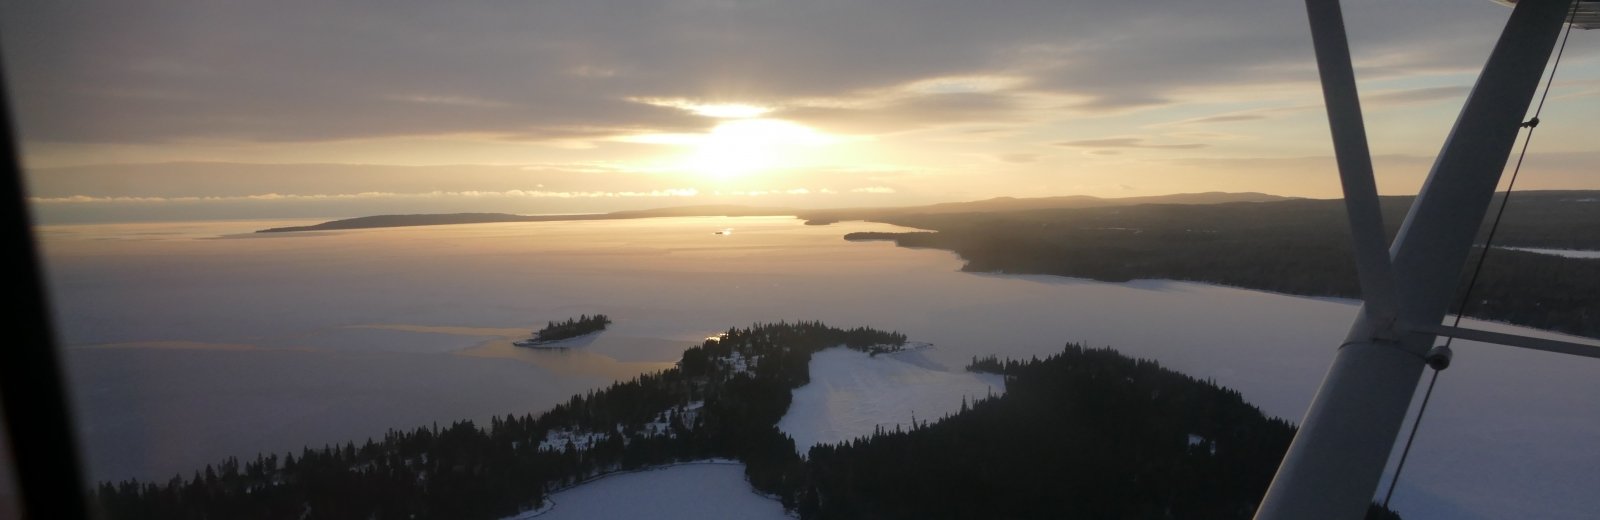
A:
x: 140, y: 71
x: 939, y: 100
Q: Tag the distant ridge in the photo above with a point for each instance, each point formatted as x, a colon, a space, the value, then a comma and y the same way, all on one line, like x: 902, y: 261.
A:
x: 1008, y: 204
x: 443, y: 219
x: 1287, y: 246
x: 818, y: 216
x: 1085, y: 201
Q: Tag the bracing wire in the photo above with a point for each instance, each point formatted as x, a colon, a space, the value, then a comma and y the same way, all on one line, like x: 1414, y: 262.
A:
x: 1494, y: 225
x: 1410, y: 439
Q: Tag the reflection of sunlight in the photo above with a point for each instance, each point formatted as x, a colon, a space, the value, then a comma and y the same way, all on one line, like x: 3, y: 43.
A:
x: 740, y: 147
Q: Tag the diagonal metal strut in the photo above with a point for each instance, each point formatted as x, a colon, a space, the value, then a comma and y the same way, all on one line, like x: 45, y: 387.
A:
x: 1350, y: 150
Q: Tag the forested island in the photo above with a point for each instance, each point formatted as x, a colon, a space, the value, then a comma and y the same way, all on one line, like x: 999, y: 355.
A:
x: 1084, y: 433
x: 1293, y: 246
x: 564, y: 330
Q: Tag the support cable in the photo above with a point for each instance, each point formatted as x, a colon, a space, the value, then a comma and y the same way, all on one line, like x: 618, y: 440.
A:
x: 1413, y: 437
x: 1494, y: 226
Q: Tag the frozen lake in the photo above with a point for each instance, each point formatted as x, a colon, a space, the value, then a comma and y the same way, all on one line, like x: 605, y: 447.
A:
x: 184, y: 347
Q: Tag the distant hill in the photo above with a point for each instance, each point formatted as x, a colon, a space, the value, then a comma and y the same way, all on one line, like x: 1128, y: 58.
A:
x: 1288, y: 246
x: 442, y: 219
x: 1010, y: 204
x: 382, y: 221
x: 822, y: 216
x: 1085, y: 201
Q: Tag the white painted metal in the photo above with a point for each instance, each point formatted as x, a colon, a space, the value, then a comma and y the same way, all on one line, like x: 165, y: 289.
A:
x: 1514, y: 340
x: 1586, y: 17
x: 1355, y: 161
x: 1333, y: 466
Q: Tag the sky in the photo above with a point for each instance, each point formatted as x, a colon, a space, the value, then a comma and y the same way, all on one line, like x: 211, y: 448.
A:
x: 133, y: 109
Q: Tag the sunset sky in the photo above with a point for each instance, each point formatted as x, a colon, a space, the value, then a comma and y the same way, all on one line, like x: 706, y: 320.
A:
x: 134, y: 109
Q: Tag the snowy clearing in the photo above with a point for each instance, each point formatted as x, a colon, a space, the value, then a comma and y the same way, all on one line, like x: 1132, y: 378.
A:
x: 852, y: 393
x: 687, y: 491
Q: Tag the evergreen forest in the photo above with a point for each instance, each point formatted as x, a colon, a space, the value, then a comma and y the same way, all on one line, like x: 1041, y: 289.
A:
x: 1086, y: 433
x: 571, y: 328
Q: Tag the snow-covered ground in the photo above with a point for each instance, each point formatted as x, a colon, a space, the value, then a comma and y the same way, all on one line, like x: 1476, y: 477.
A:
x: 692, y: 491
x: 851, y: 394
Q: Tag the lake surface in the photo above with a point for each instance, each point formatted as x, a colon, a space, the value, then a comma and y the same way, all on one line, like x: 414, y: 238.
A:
x: 189, y: 342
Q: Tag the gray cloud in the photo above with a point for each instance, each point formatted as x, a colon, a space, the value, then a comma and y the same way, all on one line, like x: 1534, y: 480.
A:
x: 1291, y: 164
x: 143, y: 71
x: 1229, y: 118
x: 1127, y: 142
x: 1381, y: 98
x: 1246, y: 115
x: 912, y: 112
x: 1417, y: 95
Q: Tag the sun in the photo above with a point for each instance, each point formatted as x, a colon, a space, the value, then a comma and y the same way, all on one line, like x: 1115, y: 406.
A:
x: 741, y: 147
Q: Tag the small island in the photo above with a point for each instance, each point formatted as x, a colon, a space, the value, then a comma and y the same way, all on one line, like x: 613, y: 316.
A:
x: 556, y: 332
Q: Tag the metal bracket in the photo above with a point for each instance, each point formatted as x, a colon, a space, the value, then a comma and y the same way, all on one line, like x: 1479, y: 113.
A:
x: 1514, y: 340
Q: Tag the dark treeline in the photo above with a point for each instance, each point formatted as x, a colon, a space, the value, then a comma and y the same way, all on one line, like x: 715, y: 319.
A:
x: 572, y: 328
x: 1083, y: 434
x: 724, y: 400
x: 1087, y: 433
x: 1296, y: 247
